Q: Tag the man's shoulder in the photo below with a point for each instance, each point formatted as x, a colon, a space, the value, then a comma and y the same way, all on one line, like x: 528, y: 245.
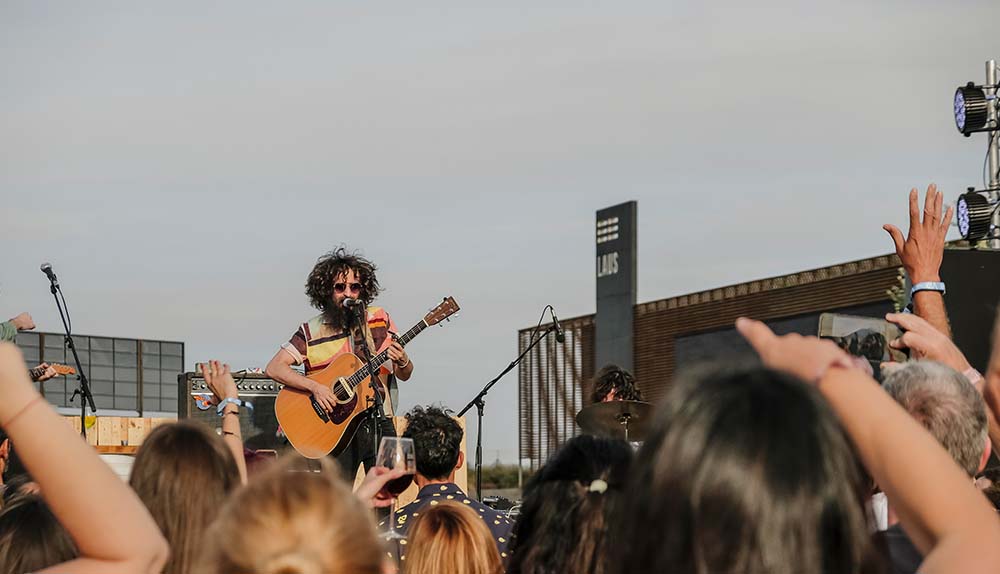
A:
x: 376, y: 313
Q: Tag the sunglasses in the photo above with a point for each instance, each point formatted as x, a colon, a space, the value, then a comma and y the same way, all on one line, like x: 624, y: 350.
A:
x: 341, y: 287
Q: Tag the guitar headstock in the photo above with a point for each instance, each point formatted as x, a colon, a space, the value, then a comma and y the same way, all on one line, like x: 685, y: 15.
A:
x: 446, y: 309
x: 63, y: 369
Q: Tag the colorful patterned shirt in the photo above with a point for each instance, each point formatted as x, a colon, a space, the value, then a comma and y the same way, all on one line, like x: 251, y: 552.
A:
x: 316, y: 343
x: 500, y: 526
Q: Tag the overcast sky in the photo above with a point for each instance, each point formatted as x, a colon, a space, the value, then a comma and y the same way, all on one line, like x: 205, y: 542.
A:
x: 183, y: 164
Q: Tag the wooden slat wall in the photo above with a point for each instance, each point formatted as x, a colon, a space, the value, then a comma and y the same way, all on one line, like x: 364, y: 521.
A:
x: 553, y: 376
x: 551, y: 387
x: 659, y: 323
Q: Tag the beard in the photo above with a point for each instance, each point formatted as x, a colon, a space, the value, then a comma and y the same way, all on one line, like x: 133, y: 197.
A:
x: 338, y: 316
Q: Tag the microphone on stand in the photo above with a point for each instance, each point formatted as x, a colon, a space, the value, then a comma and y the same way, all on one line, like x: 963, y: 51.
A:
x: 349, y: 302
x: 560, y: 335
x: 47, y: 270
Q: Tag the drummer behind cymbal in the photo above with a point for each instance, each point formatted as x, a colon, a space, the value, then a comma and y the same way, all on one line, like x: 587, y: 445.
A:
x: 614, y: 383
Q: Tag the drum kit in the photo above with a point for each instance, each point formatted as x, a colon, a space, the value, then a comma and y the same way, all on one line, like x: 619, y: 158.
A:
x: 628, y: 420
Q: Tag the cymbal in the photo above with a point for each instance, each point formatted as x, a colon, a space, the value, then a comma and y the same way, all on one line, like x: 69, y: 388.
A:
x: 609, y: 419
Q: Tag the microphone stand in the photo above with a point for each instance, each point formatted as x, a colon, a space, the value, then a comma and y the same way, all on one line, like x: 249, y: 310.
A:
x: 86, y: 398
x: 480, y: 404
x: 377, y: 410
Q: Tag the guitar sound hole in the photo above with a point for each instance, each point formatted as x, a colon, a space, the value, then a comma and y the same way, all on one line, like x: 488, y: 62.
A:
x: 341, y: 392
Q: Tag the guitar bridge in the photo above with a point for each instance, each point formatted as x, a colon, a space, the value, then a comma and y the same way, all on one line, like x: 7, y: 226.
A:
x: 320, y: 411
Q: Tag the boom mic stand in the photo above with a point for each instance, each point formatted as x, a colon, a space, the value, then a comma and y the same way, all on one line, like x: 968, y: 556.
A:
x: 480, y: 404
x: 86, y: 398
x: 382, y: 425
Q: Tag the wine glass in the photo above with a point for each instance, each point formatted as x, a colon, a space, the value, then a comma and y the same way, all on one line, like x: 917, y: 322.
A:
x: 396, y: 453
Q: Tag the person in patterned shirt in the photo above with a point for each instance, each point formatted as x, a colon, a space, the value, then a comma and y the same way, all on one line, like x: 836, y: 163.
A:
x: 337, y: 276
x: 437, y: 438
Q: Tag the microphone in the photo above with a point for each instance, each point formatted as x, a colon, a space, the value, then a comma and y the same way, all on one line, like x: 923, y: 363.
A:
x: 350, y: 302
x: 560, y: 335
x: 47, y: 270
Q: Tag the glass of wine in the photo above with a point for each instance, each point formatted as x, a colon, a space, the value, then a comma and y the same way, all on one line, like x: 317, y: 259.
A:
x: 396, y: 453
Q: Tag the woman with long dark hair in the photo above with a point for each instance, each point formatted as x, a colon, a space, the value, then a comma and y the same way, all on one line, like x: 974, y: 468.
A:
x: 567, y: 503
x: 755, y: 471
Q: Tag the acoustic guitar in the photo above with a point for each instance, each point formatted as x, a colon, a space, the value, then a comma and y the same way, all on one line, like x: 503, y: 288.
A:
x: 315, y: 433
x: 63, y: 370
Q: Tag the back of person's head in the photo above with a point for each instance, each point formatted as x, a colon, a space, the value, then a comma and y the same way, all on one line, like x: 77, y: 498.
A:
x: 31, y: 538
x: 19, y: 485
x: 437, y: 438
x: 292, y: 522
x: 745, y: 471
x: 182, y: 473
x: 614, y: 378
x: 567, y: 505
x: 451, y: 537
x: 947, y: 405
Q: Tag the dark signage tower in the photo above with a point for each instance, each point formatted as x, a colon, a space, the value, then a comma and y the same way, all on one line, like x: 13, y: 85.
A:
x: 616, y: 285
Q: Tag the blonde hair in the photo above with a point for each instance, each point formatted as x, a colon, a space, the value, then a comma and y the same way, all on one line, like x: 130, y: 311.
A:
x: 451, y: 537
x: 288, y: 522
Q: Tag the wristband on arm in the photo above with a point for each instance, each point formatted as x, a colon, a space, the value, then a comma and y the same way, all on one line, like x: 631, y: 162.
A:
x: 232, y: 401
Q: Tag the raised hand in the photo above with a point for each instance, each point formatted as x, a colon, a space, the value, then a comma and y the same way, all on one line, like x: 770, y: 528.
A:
x: 220, y: 380
x: 805, y: 357
x: 922, y: 250
x: 370, y: 492
x: 924, y: 341
x: 23, y: 322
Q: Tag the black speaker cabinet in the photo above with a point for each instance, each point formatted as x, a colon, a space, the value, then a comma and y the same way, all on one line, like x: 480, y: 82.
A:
x: 259, y: 427
x: 973, y: 281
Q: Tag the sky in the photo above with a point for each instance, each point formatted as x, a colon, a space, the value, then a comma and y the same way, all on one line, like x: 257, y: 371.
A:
x: 183, y: 164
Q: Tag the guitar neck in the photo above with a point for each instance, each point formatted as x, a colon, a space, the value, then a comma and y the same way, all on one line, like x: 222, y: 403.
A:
x: 379, y: 359
x: 36, y: 373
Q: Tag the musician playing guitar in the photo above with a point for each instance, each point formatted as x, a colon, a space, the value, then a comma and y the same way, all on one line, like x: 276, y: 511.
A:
x: 336, y: 277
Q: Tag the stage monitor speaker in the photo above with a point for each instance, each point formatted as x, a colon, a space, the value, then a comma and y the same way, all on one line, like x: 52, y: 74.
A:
x: 259, y: 426
x: 972, y: 278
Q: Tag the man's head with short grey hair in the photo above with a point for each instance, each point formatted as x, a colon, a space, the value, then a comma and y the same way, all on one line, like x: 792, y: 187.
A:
x: 946, y: 404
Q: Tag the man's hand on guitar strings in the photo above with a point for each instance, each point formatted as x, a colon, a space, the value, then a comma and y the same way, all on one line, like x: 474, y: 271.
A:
x: 397, y: 355
x: 324, y: 396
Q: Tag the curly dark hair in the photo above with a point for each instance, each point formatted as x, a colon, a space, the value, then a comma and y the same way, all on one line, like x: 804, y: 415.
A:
x: 437, y: 439
x: 614, y: 377
x: 319, y: 285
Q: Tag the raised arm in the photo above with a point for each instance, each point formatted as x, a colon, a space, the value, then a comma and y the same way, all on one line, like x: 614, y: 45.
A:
x: 948, y: 520
x: 991, y: 383
x: 219, y: 378
x: 10, y: 328
x: 922, y: 251
x: 107, y: 521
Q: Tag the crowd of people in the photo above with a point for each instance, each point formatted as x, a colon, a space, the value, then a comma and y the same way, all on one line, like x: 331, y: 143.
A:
x: 803, y: 463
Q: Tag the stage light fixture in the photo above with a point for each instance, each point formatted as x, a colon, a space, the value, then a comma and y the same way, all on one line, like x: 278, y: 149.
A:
x: 977, y: 109
x: 974, y: 213
x: 971, y: 109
